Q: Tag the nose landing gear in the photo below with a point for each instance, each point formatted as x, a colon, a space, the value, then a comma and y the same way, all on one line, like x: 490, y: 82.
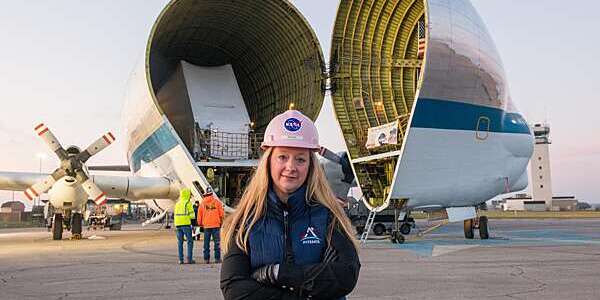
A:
x: 397, y: 237
x: 70, y: 220
x: 401, y: 228
x: 76, y: 224
x: 57, y: 227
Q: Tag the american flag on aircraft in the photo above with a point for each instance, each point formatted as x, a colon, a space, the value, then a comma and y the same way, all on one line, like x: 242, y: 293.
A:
x: 421, y: 52
x: 421, y: 28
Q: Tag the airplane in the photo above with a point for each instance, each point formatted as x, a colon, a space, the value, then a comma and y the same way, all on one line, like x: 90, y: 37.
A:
x: 418, y: 90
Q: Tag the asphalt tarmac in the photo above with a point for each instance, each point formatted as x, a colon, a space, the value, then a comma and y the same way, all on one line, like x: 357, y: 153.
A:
x: 523, y: 259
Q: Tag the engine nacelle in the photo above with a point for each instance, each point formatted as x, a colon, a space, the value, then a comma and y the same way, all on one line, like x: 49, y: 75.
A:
x: 67, y: 194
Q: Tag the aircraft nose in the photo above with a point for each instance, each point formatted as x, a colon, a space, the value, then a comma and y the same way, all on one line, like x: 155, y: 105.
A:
x: 521, y: 147
x: 519, y: 141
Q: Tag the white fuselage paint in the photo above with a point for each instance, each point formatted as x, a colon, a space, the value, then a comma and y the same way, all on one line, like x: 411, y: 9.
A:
x: 161, y: 166
x: 452, y: 168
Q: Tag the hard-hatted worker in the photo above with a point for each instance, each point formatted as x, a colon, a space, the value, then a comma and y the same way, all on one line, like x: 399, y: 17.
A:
x: 184, y: 214
x: 210, y: 217
x: 289, y: 238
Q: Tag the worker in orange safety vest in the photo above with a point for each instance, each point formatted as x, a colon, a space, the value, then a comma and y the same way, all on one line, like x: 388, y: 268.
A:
x: 210, y: 218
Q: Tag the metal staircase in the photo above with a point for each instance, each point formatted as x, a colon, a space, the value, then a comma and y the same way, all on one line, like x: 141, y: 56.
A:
x: 368, y: 225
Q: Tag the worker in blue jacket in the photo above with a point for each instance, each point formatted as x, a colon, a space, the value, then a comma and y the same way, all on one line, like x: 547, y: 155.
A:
x: 289, y: 238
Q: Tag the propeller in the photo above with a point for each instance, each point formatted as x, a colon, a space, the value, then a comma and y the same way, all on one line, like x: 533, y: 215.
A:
x: 72, y: 163
x: 330, y: 155
x: 343, y: 160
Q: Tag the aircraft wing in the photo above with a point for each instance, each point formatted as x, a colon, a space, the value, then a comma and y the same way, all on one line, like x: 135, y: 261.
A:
x: 126, y: 187
x: 19, y: 181
x: 116, y: 168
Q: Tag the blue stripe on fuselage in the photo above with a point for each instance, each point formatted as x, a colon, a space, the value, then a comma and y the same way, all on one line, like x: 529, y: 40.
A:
x: 452, y: 115
x: 157, y: 144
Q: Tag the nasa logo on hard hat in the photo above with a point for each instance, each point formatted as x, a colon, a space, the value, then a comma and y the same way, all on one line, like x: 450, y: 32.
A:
x: 292, y: 124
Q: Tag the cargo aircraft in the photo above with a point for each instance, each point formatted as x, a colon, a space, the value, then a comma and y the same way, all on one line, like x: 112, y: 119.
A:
x: 418, y: 90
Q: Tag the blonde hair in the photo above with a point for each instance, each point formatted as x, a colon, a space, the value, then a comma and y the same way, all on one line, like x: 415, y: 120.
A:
x: 252, y: 206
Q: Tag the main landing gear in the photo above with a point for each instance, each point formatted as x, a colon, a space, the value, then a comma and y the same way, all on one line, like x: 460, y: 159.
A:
x: 481, y: 224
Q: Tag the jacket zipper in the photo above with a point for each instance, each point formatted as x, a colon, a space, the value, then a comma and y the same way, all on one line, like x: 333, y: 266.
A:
x: 288, y: 256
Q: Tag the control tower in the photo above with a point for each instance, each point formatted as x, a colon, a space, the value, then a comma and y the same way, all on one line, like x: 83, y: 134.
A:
x: 541, y: 179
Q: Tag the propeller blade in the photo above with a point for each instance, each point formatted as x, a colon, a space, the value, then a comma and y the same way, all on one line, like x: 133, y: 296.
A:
x: 39, y: 187
x: 97, y: 146
x: 90, y: 187
x: 51, y: 140
x: 330, y: 155
x: 343, y: 160
x: 94, y: 191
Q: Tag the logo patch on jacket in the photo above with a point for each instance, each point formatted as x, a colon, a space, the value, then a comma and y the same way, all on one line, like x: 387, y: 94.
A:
x: 310, y: 237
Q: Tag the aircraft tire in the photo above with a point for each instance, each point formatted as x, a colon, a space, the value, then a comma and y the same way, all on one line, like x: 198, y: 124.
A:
x: 398, y: 237
x: 468, y: 225
x: 57, y: 227
x: 76, y: 223
x: 379, y: 229
x: 483, y: 228
x: 405, y: 228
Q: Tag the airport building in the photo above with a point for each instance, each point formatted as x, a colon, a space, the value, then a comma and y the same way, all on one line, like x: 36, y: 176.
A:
x: 12, y: 211
x: 522, y: 202
x: 567, y: 203
x: 526, y: 202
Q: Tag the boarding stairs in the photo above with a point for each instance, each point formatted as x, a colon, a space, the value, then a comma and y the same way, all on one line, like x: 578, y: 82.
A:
x: 368, y: 225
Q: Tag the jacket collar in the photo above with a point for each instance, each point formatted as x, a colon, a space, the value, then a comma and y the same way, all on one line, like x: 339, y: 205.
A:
x: 296, y: 203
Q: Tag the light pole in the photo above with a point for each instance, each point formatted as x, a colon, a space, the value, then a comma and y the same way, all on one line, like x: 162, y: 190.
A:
x: 41, y: 156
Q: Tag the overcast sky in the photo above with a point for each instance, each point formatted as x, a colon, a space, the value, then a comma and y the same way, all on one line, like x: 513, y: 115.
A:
x: 66, y: 63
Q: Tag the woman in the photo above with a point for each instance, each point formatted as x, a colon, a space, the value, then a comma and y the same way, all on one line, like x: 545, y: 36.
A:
x: 289, y: 238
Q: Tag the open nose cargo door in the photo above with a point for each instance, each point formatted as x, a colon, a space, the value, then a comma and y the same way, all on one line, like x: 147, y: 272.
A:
x: 377, y: 62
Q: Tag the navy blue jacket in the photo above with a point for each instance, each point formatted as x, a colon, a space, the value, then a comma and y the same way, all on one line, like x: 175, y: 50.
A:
x: 308, y: 229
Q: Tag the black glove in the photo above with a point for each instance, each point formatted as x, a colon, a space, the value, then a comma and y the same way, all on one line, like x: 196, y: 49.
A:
x: 266, y: 274
x: 329, y: 256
